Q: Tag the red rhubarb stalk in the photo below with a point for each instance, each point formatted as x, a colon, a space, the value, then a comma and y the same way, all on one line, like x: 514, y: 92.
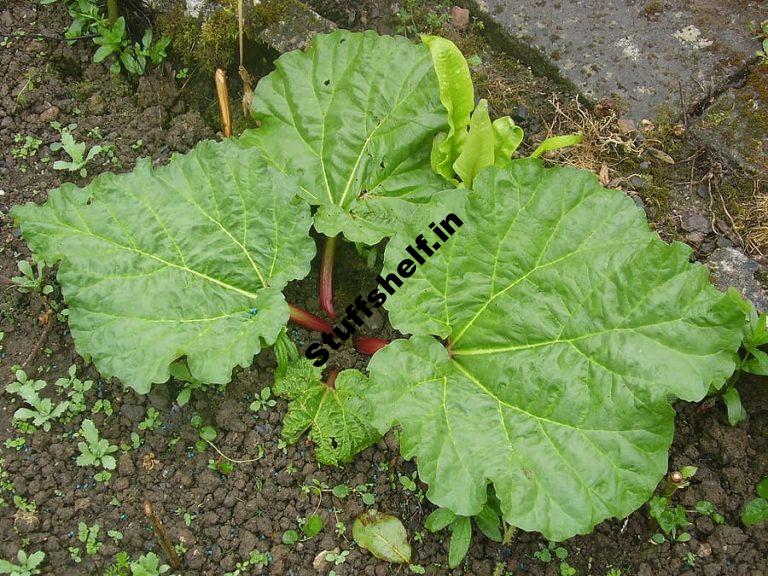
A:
x: 368, y: 345
x: 331, y: 382
x: 309, y: 321
x: 326, y: 276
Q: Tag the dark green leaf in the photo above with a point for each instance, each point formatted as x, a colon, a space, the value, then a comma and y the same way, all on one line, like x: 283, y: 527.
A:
x: 755, y: 512
x: 489, y: 523
x: 313, y: 526
x: 736, y: 412
x: 439, y: 519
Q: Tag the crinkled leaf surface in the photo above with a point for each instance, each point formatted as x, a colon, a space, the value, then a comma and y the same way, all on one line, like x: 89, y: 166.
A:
x: 570, y: 324
x: 351, y: 122
x: 338, y: 418
x: 185, y: 260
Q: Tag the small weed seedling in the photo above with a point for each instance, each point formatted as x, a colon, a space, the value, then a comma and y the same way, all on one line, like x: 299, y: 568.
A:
x: 148, y: 565
x: 27, y: 146
x: 151, y: 420
x: 75, y: 150
x: 114, y: 41
x: 706, y: 508
x: 116, y: 535
x: 670, y: 519
x: 136, y: 441
x: 756, y: 511
x: 263, y: 401
x: 23, y: 505
x: 42, y: 411
x: 31, y: 280
x: 89, y: 536
x: 27, y: 565
x: 102, y: 405
x: 95, y: 451
x: 75, y: 389
x: 256, y: 560
x: 121, y: 566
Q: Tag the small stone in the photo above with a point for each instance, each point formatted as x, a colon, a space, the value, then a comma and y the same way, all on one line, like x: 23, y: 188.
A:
x: 703, y: 191
x: 729, y: 267
x: 49, y: 115
x: 694, y: 237
x: 704, y: 550
x: 459, y: 18
x: 626, y: 125
x: 521, y: 113
x: 723, y: 242
x: 637, y: 182
x: 694, y: 222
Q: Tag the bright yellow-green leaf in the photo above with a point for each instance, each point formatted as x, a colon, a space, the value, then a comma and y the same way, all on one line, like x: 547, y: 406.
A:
x: 507, y: 137
x: 458, y: 97
x: 556, y: 142
x: 478, y: 151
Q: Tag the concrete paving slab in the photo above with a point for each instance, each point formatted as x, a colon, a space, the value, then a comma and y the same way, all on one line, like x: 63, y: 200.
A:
x: 652, y: 54
x: 735, y: 125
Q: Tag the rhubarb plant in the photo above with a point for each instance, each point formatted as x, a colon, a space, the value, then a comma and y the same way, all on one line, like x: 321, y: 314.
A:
x: 351, y: 121
x: 472, y: 142
x: 566, y: 327
x: 186, y: 260
x: 352, y: 131
x: 334, y: 413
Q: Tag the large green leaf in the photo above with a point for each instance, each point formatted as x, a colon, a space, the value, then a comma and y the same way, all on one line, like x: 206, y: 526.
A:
x: 350, y: 122
x: 569, y: 325
x: 185, y: 260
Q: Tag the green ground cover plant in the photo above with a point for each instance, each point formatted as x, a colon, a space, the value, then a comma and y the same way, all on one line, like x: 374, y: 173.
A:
x: 547, y: 340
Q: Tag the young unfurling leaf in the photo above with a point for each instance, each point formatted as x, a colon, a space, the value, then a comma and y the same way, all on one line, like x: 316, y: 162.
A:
x: 334, y: 412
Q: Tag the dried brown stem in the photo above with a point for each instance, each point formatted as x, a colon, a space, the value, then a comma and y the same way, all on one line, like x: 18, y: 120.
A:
x: 162, y: 535
x: 223, y: 95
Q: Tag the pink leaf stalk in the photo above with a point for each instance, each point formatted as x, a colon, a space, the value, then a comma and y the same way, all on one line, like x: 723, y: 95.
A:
x: 309, y: 321
x: 368, y: 345
x: 326, y: 277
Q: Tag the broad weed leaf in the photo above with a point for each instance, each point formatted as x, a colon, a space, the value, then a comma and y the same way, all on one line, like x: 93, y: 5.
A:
x: 382, y: 535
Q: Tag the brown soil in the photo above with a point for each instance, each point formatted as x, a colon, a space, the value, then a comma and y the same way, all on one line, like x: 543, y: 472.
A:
x: 251, y: 508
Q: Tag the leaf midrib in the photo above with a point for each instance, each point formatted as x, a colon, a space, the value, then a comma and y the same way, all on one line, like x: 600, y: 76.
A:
x: 90, y: 233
